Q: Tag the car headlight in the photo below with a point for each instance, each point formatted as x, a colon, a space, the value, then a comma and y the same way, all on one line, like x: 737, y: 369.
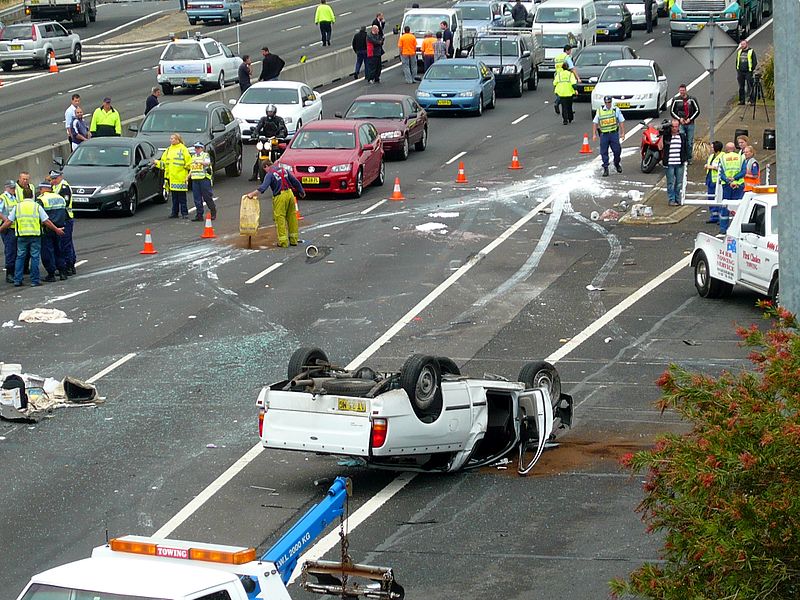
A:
x: 468, y: 94
x: 615, y: 26
x: 597, y: 98
x: 509, y: 70
x: 731, y: 15
x: 341, y: 168
x: 112, y: 188
x: 643, y: 97
x: 287, y: 167
x: 421, y: 94
x: 391, y: 135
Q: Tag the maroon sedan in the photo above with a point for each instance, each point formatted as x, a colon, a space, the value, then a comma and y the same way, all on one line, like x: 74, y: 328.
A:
x: 399, y: 120
x: 340, y: 157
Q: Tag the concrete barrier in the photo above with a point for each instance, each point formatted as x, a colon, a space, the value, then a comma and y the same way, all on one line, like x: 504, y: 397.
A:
x: 13, y: 14
x: 316, y: 72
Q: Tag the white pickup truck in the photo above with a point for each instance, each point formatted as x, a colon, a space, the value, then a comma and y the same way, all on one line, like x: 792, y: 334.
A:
x: 747, y: 255
x: 197, y: 63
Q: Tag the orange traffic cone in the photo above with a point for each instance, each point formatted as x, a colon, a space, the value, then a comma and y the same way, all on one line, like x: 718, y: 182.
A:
x: 515, y: 161
x: 208, y: 231
x: 462, y: 177
x: 297, y: 209
x: 53, y: 63
x: 397, y: 194
x: 148, y: 244
x: 585, y: 149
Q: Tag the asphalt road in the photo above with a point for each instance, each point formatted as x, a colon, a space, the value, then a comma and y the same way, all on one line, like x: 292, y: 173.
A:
x: 204, y: 341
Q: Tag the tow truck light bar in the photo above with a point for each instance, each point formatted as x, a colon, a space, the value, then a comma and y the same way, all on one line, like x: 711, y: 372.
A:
x: 765, y: 189
x: 230, y: 557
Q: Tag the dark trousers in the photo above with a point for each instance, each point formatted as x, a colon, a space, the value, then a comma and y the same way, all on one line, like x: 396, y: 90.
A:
x: 566, y: 108
x: 28, y: 247
x: 179, y: 202
x: 745, y: 79
x: 67, y: 247
x: 10, y: 247
x: 201, y: 192
x: 427, y: 61
x: 325, y: 32
x: 361, y: 59
x: 52, y: 258
x: 374, y: 67
x: 610, y: 140
x: 648, y: 15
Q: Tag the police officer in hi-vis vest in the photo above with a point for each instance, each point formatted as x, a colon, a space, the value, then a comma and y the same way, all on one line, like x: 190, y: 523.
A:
x: 8, y: 200
x: 610, y: 123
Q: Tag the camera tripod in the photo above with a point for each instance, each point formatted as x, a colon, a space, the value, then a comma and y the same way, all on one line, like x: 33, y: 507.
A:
x: 756, y: 94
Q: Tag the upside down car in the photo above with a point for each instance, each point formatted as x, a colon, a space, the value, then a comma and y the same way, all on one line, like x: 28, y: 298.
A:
x: 425, y: 417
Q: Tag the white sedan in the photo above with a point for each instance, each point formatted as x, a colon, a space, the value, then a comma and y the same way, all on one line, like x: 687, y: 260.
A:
x: 296, y: 102
x: 634, y: 84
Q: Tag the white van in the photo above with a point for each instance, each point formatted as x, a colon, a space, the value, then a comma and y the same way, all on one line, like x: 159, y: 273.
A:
x: 562, y: 22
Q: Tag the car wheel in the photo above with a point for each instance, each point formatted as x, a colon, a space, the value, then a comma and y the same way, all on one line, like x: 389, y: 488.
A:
x: 132, y: 202
x: 76, y: 55
x: 519, y: 85
x: 81, y: 21
x: 235, y: 169
x: 305, y: 357
x: 381, y: 178
x: 479, y: 112
x: 8, y: 65
x: 423, y: 141
x: 221, y: 80
x: 447, y: 366
x: 45, y: 64
x: 359, y: 182
x: 774, y: 292
x: 493, y: 101
x: 240, y: 15
x: 167, y: 89
x: 421, y: 378
x: 706, y: 285
x: 541, y: 374
x: 402, y: 154
x: 227, y: 18
x: 533, y: 81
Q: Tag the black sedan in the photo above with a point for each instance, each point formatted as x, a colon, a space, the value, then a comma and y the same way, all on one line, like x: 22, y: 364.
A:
x: 113, y: 174
x: 591, y: 60
x: 614, y: 21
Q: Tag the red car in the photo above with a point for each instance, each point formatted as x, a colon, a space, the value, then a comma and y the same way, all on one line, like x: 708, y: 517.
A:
x: 399, y: 120
x: 339, y: 157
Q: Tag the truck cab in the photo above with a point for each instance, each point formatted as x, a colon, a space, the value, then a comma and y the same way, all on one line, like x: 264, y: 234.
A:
x: 737, y: 17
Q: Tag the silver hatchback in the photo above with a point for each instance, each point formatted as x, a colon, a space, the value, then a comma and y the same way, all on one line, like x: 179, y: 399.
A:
x: 30, y: 44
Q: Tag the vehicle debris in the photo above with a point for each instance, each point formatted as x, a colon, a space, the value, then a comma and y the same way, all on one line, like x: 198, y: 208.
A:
x: 43, y: 315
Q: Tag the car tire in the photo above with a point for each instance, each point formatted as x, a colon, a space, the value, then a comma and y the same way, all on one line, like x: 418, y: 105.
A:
x: 228, y: 18
x: 533, y: 80
x: 402, y: 154
x: 221, y: 80
x: 676, y: 43
x: 192, y: 21
x: 76, y: 55
x: 421, y: 379
x: 381, y: 178
x: 423, y: 141
x: 519, y: 86
x: 359, y: 182
x: 132, y: 202
x: 479, y: 111
x: 493, y: 101
x: 706, y: 285
x: 45, y: 64
x: 235, y: 168
x: 447, y: 366
x: 167, y: 89
x: 83, y: 21
x: 348, y: 386
x: 240, y: 15
x: 8, y: 66
x: 774, y: 291
x: 302, y: 357
x: 541, y: 374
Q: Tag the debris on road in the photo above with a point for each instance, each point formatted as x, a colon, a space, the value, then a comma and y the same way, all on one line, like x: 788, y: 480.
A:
x: 211, y: 446
x: 43, y: 315
x: 593, y: 288
x: 438, y: 227
x: 609, y: 215
x: 443, y: 215
x: 26, y: 398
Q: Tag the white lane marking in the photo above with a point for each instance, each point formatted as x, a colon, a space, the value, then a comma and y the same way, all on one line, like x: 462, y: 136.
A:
x: 204, y: 496
x: 387, y: 1
x: 66, y: 297
x: 650, y: 41
x: 344, y: 14
x: 83, y: 87
x: 373, y: 207
x: 315, y: 44
x: 81, y: 262
x: 355, y: 81
x: 263, y: 273
x: 293, y: 28
x: 128, y: 24
x: 111, y: 367
x: 618, y: 309
x: 522, y: 118
x: 455, y: 158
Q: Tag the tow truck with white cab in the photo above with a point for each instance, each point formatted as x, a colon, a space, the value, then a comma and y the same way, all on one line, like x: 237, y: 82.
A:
x: 146, y: 568
x: 747, y: 255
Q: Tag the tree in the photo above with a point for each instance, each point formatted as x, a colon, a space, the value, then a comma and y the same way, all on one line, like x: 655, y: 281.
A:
x: 726, y: 495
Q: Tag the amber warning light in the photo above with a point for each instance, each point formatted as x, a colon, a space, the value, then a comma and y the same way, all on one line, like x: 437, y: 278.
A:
x: 229, y: 555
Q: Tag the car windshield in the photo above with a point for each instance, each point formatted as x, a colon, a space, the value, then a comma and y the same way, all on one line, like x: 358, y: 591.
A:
x: 375, y: 110
x: 17, y: 32
x: 97, y: 156
x: 608, y: 10
x: 597, y: 58
x: 492, y: 47
x: 321, y: 139
x: 461, y: 72
x: 475, y: 13
x: 263, y: 95
x: 424, y: 23
x: 631, y: 73
x: 183, y: 52
x: 547, y: 14
x: 556, y: 40
x: 40, y: 591
x: 170, y: 121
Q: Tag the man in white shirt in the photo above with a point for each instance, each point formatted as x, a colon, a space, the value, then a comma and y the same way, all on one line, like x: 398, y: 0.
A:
x: 69, y: 114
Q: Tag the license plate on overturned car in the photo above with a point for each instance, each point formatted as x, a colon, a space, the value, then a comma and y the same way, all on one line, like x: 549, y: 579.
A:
x: 351, y: 405
x: 192, y: 80
x: 311, y: 180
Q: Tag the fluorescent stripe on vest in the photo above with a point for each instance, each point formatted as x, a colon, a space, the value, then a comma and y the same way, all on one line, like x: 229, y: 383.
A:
x: 607, y: 119
x: 201, y: 166
x: 7, y: 202
x: 749, y: 59
x: 732, y: 163
x: 27, y: 223
x: 711, y: 162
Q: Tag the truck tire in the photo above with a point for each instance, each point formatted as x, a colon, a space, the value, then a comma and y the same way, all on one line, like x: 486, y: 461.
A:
x: 302, y: 357
x: 81, y: 20
x: 541, y: 374
x: 421, y: 378
x: 774, y: 290
x: 707, y: 286
x: 167, y: 89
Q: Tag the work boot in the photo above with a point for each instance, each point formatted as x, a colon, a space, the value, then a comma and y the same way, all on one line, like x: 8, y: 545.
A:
x: 214, y: 215
x: 50, y: 278
x: 618, y: 168
x: 9, y: 278
x: 62, y: 276
x: 605, y: 171
x: 198, y: 218
x: 71, y: 270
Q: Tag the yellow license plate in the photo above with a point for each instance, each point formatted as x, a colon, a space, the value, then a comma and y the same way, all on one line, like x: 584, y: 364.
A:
x: 16, y: 46
x: 445, y: 102
x: 623, y: 104
x: 701, y: 25
x: 192, y: 80
x: 588, y: 88
x: 351, y: 405
x: 602, y: 32
x: 309, y: 180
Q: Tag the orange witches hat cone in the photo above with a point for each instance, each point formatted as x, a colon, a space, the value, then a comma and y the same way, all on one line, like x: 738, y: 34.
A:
x: 297, y: 209
x: 515, y: 161
x: 462, y: 177
x: 148, y: 244
x: 585, y: 149
x: 53, y: 63
x: 208, y: 231
x: 397, y: 194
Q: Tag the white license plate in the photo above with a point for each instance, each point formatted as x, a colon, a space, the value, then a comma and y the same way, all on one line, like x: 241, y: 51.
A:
x: 80, y: 199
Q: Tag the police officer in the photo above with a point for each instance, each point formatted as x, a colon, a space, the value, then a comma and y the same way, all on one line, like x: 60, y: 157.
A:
x: 564, y: 83
x: 731, y: 175
x: 63, y: 189
x: 8, y: 200
x: 284, y: 206
x: 201, y: 176
x: 611, y: 125
x: 566, y: 57
x: 56, y: 208
x: 28, y: 217
x: 270, y: 125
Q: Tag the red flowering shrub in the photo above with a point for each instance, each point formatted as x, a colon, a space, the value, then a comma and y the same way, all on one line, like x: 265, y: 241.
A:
x: 726, y: 496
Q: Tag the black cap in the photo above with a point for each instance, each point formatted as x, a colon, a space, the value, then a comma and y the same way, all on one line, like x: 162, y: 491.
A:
x: 567, y: 47
x: 607, y: 99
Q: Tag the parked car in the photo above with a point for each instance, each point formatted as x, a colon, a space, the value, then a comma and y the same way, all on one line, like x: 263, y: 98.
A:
x: 335, y: 156
x: 30, y: 44
x: 613, y: 21
x: 513, y: 56
x: 457, y: 84
x: 113, y: 174
x: 214, y: 10
x: 638, y: 13
x: 296, y: 102
x: 197, y: 63
x: 635, y: 85
x: 208, y: 122
x: 400, y: 121
x: 591, y: 61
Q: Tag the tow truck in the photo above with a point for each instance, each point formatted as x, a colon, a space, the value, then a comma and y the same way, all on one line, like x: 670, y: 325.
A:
x: 143, y: 568
x: 748, y: 253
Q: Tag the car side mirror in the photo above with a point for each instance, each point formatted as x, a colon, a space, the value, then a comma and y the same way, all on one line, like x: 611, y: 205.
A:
x: 662, y: 77
x: 748, y: 227
x: 526, y: 53
x: 368, y: 147
x: 133, y: 128
x: 338, y: 115
x: 232, y: 101
x: 307, y: 103
x: 59, y: 161
x: 412, y: 115
x: 218, y: 129
x: 586, y: 21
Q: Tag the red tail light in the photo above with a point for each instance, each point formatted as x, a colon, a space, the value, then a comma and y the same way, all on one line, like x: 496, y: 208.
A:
x: 380, y: 427
x: 208, y: 68
x: 33, y: 32
x: 158, y: 70
x: 260, y: 422
x: 77, y: 8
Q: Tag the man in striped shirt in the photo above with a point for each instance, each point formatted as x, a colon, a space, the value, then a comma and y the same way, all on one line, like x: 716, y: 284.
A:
x: 675, y: 150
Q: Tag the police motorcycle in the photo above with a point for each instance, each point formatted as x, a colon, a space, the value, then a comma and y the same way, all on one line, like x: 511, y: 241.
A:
x: 268, y: 146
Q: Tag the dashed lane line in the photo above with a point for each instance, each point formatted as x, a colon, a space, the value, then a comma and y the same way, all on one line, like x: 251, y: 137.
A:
x: 264, y: 273
x: 455, y: 158
x: 111, y: 367
x: 366, y: 211
x: 520, y: 119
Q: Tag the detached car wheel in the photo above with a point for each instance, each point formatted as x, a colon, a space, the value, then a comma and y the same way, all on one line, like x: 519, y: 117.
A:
x: 421, y: 378
x: 541, y: 374
x: 302, y: 357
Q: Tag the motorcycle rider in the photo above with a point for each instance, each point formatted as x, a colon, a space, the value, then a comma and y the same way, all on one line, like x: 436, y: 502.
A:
x: 270, y: 125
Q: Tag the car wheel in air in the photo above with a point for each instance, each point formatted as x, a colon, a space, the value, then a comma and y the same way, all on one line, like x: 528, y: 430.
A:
x: 421, y: 379
x: 541, y: 374
x: 306, y: 357
x: 447, y: 366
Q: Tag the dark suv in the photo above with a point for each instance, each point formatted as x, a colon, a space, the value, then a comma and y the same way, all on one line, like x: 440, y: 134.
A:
x: 208, y: 122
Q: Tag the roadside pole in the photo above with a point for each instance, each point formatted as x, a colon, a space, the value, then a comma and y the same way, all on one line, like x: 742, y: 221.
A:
x: 787, y: 91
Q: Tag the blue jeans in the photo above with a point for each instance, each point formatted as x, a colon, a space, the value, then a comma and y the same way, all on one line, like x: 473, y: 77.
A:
x: 10, y: 247
x: 674, y: 183
x: 689, y: 131
x: 67, y: 247
x: 610, y: 140
x: 361, y: 59
x: 28, y: 246
x: 179, y: 202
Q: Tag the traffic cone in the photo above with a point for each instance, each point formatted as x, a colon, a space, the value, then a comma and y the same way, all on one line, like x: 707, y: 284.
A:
x: 53, y: 63
x: 585, y: 149
x: 462, y: 177
x: 515, y: 161
x: 148, y: 244
x: 397, y: 194
x: 297, y: 209
x: 208, y: 231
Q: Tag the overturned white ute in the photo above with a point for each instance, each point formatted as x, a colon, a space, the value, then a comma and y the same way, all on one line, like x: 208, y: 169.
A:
x: 425, y: 417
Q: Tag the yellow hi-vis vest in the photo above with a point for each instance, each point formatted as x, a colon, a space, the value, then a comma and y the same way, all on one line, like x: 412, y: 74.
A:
x: 712, y: 163
x: 749, y: 59
x: 18, y: 191
x: 731, y: 164
x: 26, y: 222
x: 607, y: 119
x: 175, y: 163
x: 563, y: 82
x: 559, y: 60
x: 7, y: 202
x: 57, y: 190
x: 201, y: 166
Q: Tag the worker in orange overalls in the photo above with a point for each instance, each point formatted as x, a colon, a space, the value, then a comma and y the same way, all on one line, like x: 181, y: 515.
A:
x: 752, y: 173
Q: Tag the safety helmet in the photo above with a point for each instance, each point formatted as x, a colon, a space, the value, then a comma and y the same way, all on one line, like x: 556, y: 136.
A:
x: 271, y: 108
